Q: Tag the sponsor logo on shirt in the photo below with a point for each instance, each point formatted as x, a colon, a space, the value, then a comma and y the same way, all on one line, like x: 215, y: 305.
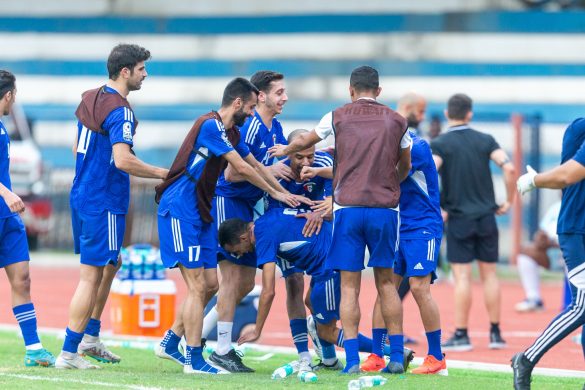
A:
x: 127, y: 131
x: 225, y: 139
x: 309, y: 187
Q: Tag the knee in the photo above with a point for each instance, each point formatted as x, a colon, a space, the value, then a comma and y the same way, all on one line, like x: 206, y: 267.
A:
x: 419, y: 289
x: 197, y: 291
x: 21, y: 283
x: 247, y: 286
x: 212, y: 287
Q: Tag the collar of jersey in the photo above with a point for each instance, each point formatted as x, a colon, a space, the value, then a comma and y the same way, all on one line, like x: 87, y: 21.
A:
x: 458, y: 127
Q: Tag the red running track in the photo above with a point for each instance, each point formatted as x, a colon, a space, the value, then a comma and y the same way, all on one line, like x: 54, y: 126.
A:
x: 52, y: 289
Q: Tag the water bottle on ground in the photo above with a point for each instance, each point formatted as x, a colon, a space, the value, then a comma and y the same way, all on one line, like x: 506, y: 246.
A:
x: 286, y: 370
x: 354, y: 384
x: 371, y: 381
x: 307, y: 376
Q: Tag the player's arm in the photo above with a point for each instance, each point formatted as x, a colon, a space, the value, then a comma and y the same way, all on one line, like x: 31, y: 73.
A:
x: 264, y: 304
x: 264, y: 172
x: 74, y: 146
x: 501, y: 159
x: 310, y: 172
x: 306, y: 140
x: 126, y: 161
x: 404, y: 163
x: 13, y: 201
x: 562, y: 176
x: 245, y: 170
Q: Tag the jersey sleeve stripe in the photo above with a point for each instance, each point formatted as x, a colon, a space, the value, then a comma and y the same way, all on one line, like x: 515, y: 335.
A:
x: 252, y: 130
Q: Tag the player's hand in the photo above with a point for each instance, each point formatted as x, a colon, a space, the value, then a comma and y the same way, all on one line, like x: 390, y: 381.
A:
x: 163, y: 173
x: 249, y: 336
x: 525, y: 182
x: 14, y: 203
x: 503, y: 209
x: 308, y: 173
x: 277, y: 150
x: 313, y: 224
x: 286, y: 198
x: 444, y: 215
x: 282, y: 171
x: 324, y: 207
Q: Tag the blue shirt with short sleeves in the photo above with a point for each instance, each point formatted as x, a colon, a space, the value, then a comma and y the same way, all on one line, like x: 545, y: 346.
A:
x: 5, y: 169
x: 279, y: 234
x: 258, y: 137
x: 420, y: 210
x: 573, y: 198
x: 180, y: 199
x: 98, y: 185
x: 316, y: 188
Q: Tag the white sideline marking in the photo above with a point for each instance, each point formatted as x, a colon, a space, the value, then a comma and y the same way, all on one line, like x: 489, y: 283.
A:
x: 64, y: 380
x: 261, y: 358
x: 142, y: 342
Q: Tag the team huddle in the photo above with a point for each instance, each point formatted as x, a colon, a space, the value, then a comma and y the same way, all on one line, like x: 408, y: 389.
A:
x: 376, y: 189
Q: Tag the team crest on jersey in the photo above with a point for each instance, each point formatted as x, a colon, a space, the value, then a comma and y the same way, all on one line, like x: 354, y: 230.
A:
x: 309, y: 186
x: 127, y: 131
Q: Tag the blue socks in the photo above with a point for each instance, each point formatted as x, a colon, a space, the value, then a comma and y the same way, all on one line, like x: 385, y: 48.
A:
x: 328, y: 350
x: 396, y: 348
x: 352, y: 356
x: 364, y: 343
x: 339, y: 342
x: 171, y: 345
x: 27, y: 320
x: 378, y: 341
x: 434, y: 341
x: 72, y: 340
x: 93, y: 327
x: 298, y: 328
x: 194, y: 358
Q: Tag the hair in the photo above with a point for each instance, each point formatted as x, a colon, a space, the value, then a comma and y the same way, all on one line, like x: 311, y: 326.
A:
x: 364, y: 78
x: 230, y: 231
x: 238, y: 88
x: 294, y: 134
x: 7, y: 82
x: 458, y: 106
x: 125, y: 56
x: 264, y: 78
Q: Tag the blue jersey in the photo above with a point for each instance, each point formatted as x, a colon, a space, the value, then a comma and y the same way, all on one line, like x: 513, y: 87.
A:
x: 279, y: 234
x: 258, y: 137
x: 420, y: 211
x: 573, y: 199
x: 180, y: 199
x: 98, y: 185
x: 316, y: 188
x: 5, y: 169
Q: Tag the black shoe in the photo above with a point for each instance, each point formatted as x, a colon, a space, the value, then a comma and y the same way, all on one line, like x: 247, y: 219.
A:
x: 393, y: 368
x: 457, y: 344
x: 522, y: 368
x: 231, y: 361
x: 496, y: 340
x: 408, y: 356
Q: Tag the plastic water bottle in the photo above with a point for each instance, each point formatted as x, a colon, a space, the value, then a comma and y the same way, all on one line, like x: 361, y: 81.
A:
x: 307, y: 376
x: 159, y: 270
x: 136, y: 261
x: 371, y: 381
x: 124, y: 271
x: 148, y: 265
x: 286, y: 370
x: 354, y: 384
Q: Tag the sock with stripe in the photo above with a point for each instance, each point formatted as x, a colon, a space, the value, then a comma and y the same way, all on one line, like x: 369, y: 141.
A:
x: 434, y: 341
x: 72, y: 340
x: 298, y: 328
x: 378, y: 341
x: 396, y: 348
x: 194, y: 358
x: 352, y: 356
x: 339, y: 341
x: 27, y: 320
x: 328, y: 351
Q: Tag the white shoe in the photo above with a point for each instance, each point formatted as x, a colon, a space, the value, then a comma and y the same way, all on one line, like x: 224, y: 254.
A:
x: 305, y: 366
x: 529, y: 305
x: 74, y: 363
x: 312, y: 330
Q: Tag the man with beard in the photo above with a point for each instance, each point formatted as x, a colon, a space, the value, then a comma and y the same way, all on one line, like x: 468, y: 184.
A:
x: 185, y: 223
x: 237, y: 200
x: 100, y: 196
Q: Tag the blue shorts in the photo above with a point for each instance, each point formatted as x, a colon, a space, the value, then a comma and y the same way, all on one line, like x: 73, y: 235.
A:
x: 223, y: 208
x: 358, y: 228
x: 573, y: 248
x: 287, y: 268
x: 13, y: 244
x: 325, y: 297
x: 182, y: 242
x: 417, y: 257
x: 98, y: 238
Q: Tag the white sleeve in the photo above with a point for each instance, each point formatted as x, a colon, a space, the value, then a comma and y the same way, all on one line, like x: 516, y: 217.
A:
x: 325, y: 126
x: 406, y: 141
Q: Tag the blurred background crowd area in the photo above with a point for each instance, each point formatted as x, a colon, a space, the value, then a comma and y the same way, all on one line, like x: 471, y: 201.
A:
x: 520, y: 59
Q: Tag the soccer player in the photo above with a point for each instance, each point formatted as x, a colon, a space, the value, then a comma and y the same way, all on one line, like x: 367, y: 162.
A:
x: 14, y: 255
x: 187, y: 236
x: 569, y: 176
x: 462, y: 156
x: 276, y: 237
x: 260, y: 132
x: 372, y: 156
x: 101, y: 188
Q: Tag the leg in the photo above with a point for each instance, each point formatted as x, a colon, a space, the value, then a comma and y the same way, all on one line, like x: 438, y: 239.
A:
x: 462, y: 276
x: 491, y: 290
x: 297, y: 316
x: 210, y: 320
x: 350, y: 315
x: 391, y: 312
x: 529, y: 273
